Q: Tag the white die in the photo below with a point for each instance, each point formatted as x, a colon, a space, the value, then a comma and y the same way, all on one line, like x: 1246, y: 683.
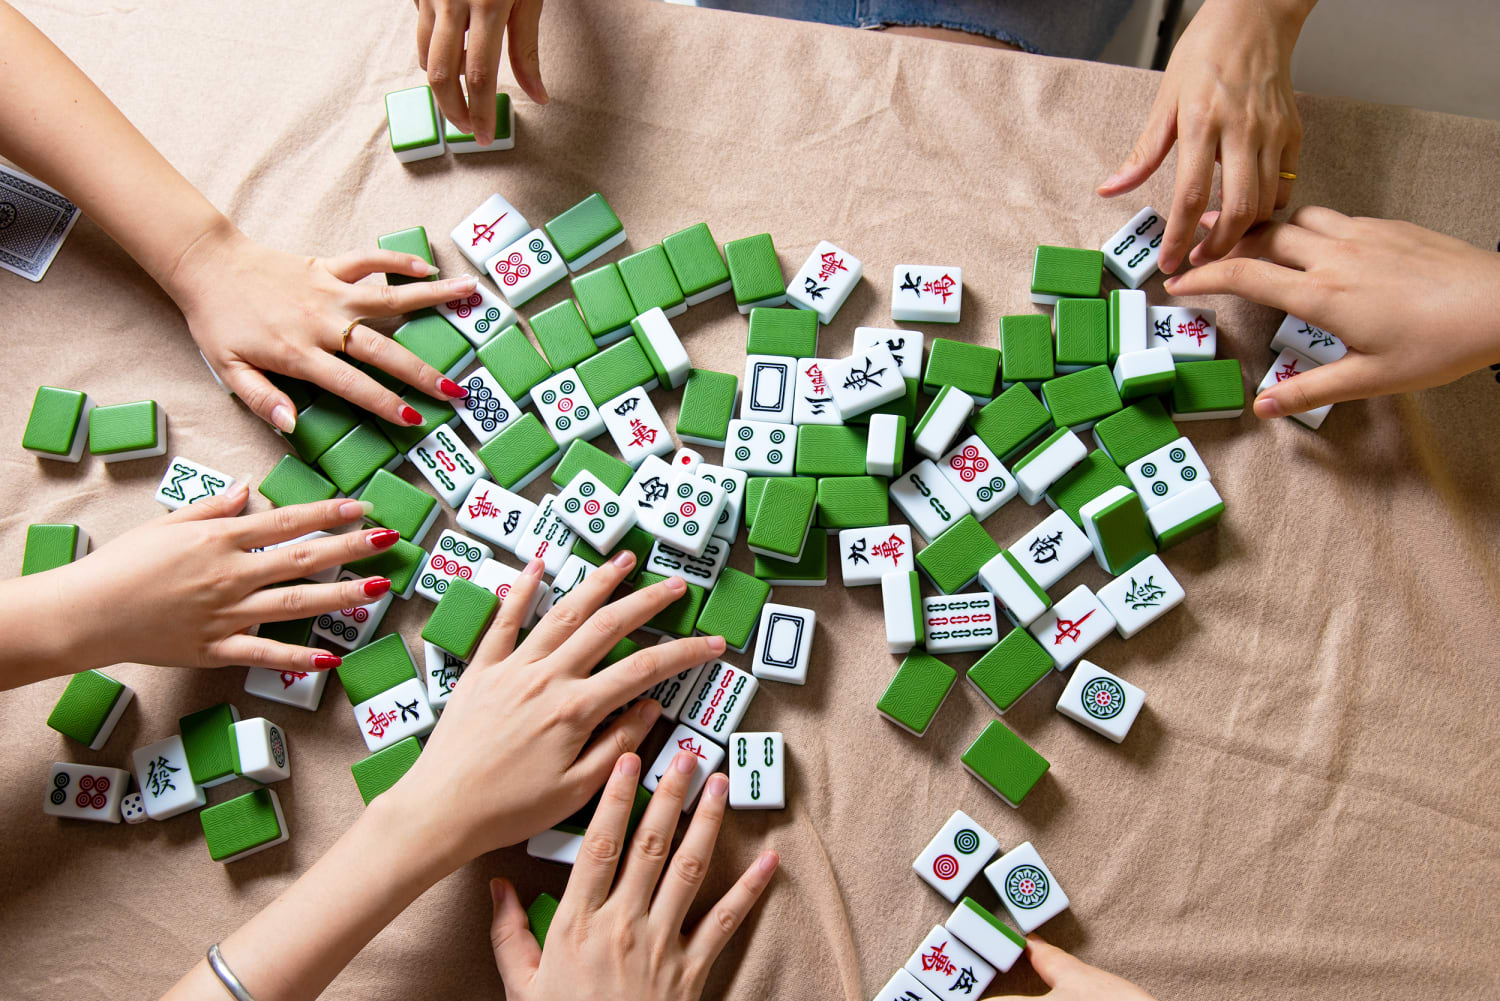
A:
x: 1131, y: 254
x: 91, y: 792
x: 545, y: 537
x: 955, y: 856
x: 453, y: 557
x: 526, y: 268
x: 1103, y: 702
x: 1052, y: 549
x: 942, y: 423
x: 1141, y: 595
x: 686, y: 460
x: 674, y: 692
x: 865, y: 380
x: 1027, y: 887
x: 709, y: 754
x: 823, y: 283
x: 498, y: 579
x: 351, y: 628
x: 479, y: 315
x: 958, y: 623
x: 691, y: 513
x: 702, y: 570
x: 757, y: 771
x: 647, y: 492
x: 1046, y: 464
x: 656, y: 331
x: 594, y: 512
x: 718, y: 703
x: 187, y: 481
x: 1286, y: 365
x: 813, y: 402
x: 635, y: 427
x: 948, y: 968
x: 868, y: 554
x: 261, y: 750
x: 1311, y: 342
x: 733, y: 482
x: 769, y: 381
x: 886, y: 432
x: 440, y: 671
x: 928, y: 500
x: 133, y: 808
x: 394, y: 715
x: 904, y: 345
x: 569, y: 576
x: 1071, y: 627
x: 974, y: 472
x: 1186, y: 331
x: 926, y: 293
x: 761, y: 449
x: 783, y: 643
x: 1167, y: 472
x: 302, y: 689
x: 494, y: 514
x: 488, y: 409
x: 565, y: 408
x: 446, y: 462
x: 493, y: 225
x: 166, y: 782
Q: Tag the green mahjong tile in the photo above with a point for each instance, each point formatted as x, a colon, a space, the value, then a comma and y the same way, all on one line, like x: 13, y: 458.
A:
x: 49, y: 547
x: 969, y: 367
x: 1136, y: 431
x: 540, y: 914
x: 1123, y: 534
x: 356, y: 457
x: 434, y: 340
x: 300, y: 393
x: 1027, y: 579
x: 563, y: 336
x: 650, y: 281
x: 625, y: 648
x: 1026, y: 348
x: 1085, y: 481
x: 453, y: 136
x: 904, y: 407
x: 56, y: 420
x: 953, y: 559
x: 460, y: 618
x: 412, y: 119
x: 678, y: 618
x: 1115, y: 305
x: 514, y: 362
x: 399, y: 564
x: 830, y: 449
x: 695, y: 259
x: 321, y: 423
x: 582, y: 228
x: 852, y: 502
x: 435, y: 414
x: 293, y: 481
x: 1192, y: 526
x: 407, y: 241
x: 897, y: 454
x: 707, y: 406
x: 754, y: 269
x: 207, y: 743
x: 1148, y: 384
x: 1067, y: 271
x: 86, y: 705
x: 383, y: 769
x: 376, y: 667
x: 1011, y: 421
x: 398, y: 504
x: 784, y: 516
x: 1009, y: 669
x: 933, y: 409
x: 621, y: 366
x: 753, y: 486
x: 917, y: 691
x: 733, y: 607
x: 1202, y: 387
x: 637, y: 540
x: 581, y: 455
x: 1004, y: 762
x: 515, y: 453
x: 240, y: 824
x: 789, y: 332
x: 123, y: 427
x: 603, y: 300
x: 1081, y: 398
x: 295, y: 632
x: 970, y: 905
x: 1082, y: 332
x: 811, y: 568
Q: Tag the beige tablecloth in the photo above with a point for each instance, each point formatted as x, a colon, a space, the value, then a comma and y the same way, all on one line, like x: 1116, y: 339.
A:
x: 1307, y: 807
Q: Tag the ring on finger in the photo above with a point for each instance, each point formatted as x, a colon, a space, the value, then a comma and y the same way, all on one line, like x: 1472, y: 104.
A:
x: 344, y: 336
x: 1286, y: 175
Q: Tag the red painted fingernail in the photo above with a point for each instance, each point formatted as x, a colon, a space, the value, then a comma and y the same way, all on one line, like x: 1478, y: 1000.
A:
x: 383, y: 538
x: 450, y: 388
x: 376, y: 586
x: 411, y: 416
x: 326, y: 661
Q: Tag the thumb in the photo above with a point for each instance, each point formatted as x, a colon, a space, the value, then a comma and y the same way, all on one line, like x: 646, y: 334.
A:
x: 1051, y: 963
x: 1150, y: 149
x: 255, y: 390
x: 1352, y: 377
x: 516, y: 953
x: 226, y: 505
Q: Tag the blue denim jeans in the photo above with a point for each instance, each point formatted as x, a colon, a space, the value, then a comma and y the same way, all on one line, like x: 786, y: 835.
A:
x: 1076, y: 28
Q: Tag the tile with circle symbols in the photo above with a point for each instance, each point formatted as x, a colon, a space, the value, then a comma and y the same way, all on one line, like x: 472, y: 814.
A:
x: 351, y: 628
x: 479, y: 315
x: 526, y: 268
x: 487, y: 409
x: 453, y: 557
x: 1167, y: 472
x: 566, y: 409
x: 690, y: 513
x: 761, y: 449
x: 955, y: 856
x: 974, y: 471
x: 595, y: 513
x: 1027, y: 887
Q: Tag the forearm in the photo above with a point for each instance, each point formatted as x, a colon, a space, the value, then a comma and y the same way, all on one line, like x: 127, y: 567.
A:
x: 44, y: 638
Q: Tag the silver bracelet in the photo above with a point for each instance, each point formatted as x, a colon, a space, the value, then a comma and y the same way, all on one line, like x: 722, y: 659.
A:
x: 226, y: 975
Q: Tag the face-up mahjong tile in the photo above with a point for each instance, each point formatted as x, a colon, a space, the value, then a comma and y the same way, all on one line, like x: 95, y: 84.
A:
x: 761, y: 449
x: 441, y: 671
x: 955, y: 856
x: 703, y: 570
x: 498, y: 578
x: 1071, y: 627
x: 488, y: 409
x: 166, y: 782
x: 647, y: 491
x: 957, y: 623
x: 1027, y: 887
x: 686, y: 460
x: 948, y: 968
x: 303, y: 689
x: 569, y: 576
x: 526, y: 267
x: 769, y: 381
x: 1166, y: 472
x: 720, y: 700
x: 352, y: 628
x: 187, y: 482
x: 824, y: 281
x: 454, y: 556
x: 1287, y: 364
x: 494, y: 514
x: 868, y: 554
x: 926, y: 293
x: 1186, y: 331
x: 87, y: 792
x: 674, y: 692
x: 1309, y: 341
x: 446, y: 462
x: 545, y: 537
x: 594, y: 512
x: 757, y: 771
x: 865, y: 380
x: 1131, y: 253
x: 928, y: 500
x: 1103, y: 702
x: 905, y: 347
x: 972, y: 469
x: 635, y: 426
x: 812, y: 402
x: 733, y: 481
x: 395, y: 714
x: 491, y: 226
x: 1052, y: 549
x: 1141, y: 595
x: 479, y: 315
x: 709, y: 756
x: 691, y: 513
x: 565, y: 408
x: 783, y: 643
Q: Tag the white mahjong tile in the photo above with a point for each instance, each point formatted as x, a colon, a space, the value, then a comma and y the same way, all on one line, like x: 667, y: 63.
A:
x: 691, y: 513
x: 1286, y: 365
x: 686, y: 460
x: 1052, y: 549
x: 546, y: 537
x: 594, y: 512
x: 498, y: 579
x: 824, y: 281
x: 647, y: 492
x: 943, y: 422
x: 1130, y: 321
x: 479, y: 315
x: 555, y: 844
x: 868, y: 554
x: 440, y: 671
x: 1141, y: 595
x: 657, y: 331
x: 702, y: 570
x: 904, y: 987
x: 1187, y: 505
x: 90, y: 792
x: 733, y: 481
x: 674, y: 692
x: 1035, y: 477
x: 783, y: 643
x: 1186, y: 331
x: 1072, y: 626
x: 926, y: 293
x: 565, y: 408
x: 813, y: 400
x: 757, y: 771
x: 325, y: 576
x: 394, y: 715
x: 1103, y: 702
x: 487, y: 229
x: 884, y: 443
x: 981, y: 931
x: 1027, y: 887
x: 526, y: 267
x: 302, y: 689
x: 865, y: 380
x: 635, y: 427
x: 769, y: 381
x: 447, y: 464
x: 569, y: 576
x: 958, y: 623
x: 488, y: 409
x: 494, y: 514
x: 1312, y: 342
x: 187, y: 481
x: 1166, y: 472
x: 1132, y: 252
x: 955, y: 856
x: 975, y: 473
x: 901, y: 605
x: 761, y: 449
x: 133, y: 808
x: 351, y: 628
x: 166, y: 783
x: 1012, y: 587
x: 453, y: 556
x: 709, y: 754
x: 904, y: 345
x: 928, y: 500
x: 261, y: 752
x: 719, y: 701
x: 948, y: 968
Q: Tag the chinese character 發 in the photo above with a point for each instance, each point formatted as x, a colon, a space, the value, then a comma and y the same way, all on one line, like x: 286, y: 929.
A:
x: 1145, y: 594
x: 159, y: 776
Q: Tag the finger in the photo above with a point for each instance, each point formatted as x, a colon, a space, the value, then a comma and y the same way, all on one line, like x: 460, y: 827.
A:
x: 1328, y: 222
x: 517, y: 955
x: 486, y: 35
x: 305, y: 558
x: 1290, y: 153
x: 445, y: 61
x: 1150, y: 149
x: 385, y: 354
x: 619, y: 683
x: 679, y: 888
x: 1270, y: 163
x: 373, y: 301
x: 622, y: 736
x: 256, y: 392
x: 1281, y: 243
x: 1352, y: 377
x: 1051, y: 963
x: 344, y: 380
x: 294, y: 521
x: 225, y: 505
x: 1195, y: 175
x: 303, y: 601
x: 599, y: 856
x: 353, y: 266
x: 500, y: 639
x: 244, y: 650
x: 581, y: 605
x: 720, y: 924
x: 1259, y: 281
x: 525, y: 58
x: 425, y: 20
x: 1240, y: 202
x: 653, y: 837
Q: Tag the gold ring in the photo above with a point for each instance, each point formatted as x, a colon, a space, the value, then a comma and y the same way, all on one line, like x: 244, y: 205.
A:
x: 1287, y: 175
x: 344, y: 337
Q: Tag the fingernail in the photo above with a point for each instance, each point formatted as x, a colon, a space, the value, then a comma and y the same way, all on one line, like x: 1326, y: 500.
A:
x: 451, y: 389
x: 718, y: 785
x: 284, y: 418
x: 1268, y: 407
x: 355, y: 509
x: 534, y: 568
x: 1170, y: 283
x: 684, y: 762
x: 676, y: 584
x: 423, y: 268
x: 624, y: 559
x: 628, y: 764
x: 326, y: 661
x: 383, y: 538
x: 239, y: 490
x: 716, y: 644
x: 768, y: 862
x: 376, y: 586
x: 496, y: 886
x: 411, y: 416
x: 464, y: 283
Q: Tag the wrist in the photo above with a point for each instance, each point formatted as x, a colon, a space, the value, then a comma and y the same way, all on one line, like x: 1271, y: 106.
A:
x: 1283, y: 18
x: 425, y: 842
x: 204, y: 250
x: 45, y: 636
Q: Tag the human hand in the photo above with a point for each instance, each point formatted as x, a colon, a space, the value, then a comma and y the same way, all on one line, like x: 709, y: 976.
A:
x: 1226, y: 95
x: 616, y: 936
x: 254, y: 310
x: 445, y: 54
x: 1071, y: 979
x: 1376, y: 284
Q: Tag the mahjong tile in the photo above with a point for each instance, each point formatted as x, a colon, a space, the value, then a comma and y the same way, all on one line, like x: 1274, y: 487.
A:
x: 1072, y: 626
x: 928, y: 500
x: 813, y: 399
x: 493, y: 225
x: 1027, y: 887
x: 1167, y: 472
x: 303, y: 689
x: 865, y: 380
x: 1307, y: 340
x: 1287, y: 364
x: 569, y: 576
x: 440, y: 671
x: 904, y: 345
x: 499, y: 578
x: 594, y: 512
x: 488, y: 409
x: 702, y: 570
x: 948, y: 968
x: 1131, y: 253
x: 1052, y: 549
x: 926, y: 293
x: 709, y: 754
x: 686, y: 460
x: 479, y: 315
x: 757, y: 771
x: 453, y: 556
x: 761, y: 449
x: 1103, y: 702
x: 959, y: 623
x: 733, y: 481
x: 690, y: 514
x: 635, y: 426
x: 494, y: 514
x: 166, y: 782
x: 868, y: 554
x: 394, y: 715
x: 720, y: 700
x: 647, y: 491
x: 352, y: 628
x: 187, y: 482
x: 446, y: 462
x: 903, y: 987
x: 260, y: 750
x: 545, y: 537
x: 1186, y: 331
x: 89, y: 792
x: 972, y: 469
x: 565, y: 408
x: 783, y: 643
x: 769, y: 381
x: 1141, y: 595
x: 824, y: 281
x: 526, y: 267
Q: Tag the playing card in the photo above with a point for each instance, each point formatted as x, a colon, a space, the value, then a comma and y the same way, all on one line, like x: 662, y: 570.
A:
x: 34, y: 222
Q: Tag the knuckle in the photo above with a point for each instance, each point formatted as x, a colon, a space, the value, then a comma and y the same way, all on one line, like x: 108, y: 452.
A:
x: 293, y: 600
x: 479, y: 75
x: 572, y: 711
x: 601, y: 848
x: 284, y: 521
x: 623, y: 938
x: 347, y: 382
x: 1194, y: 195
x: 390, y: 299
x: 725, y: 918
x: 690, y: 867
x: 439, y: 74
x: 566, y: 616
x: 651, y: 845
x: 258, y: 655
x: 606, y: 622
x: 302, y: 556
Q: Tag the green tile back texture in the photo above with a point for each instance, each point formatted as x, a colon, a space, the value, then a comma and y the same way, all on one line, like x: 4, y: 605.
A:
x: 754, y: 269
x: 55, y: 422
x: 621, y: 366
x: 563, y: 336
x: 514, y: 362
x: 733, y: 607
x: 321, y: 423
x: 583, y: 227
x: 1081, y: 398
x: 375, y: 668
x: 400, y: 564
x: 1067, y: 271
x: 383, y: 769
x: 292, y: 481
x: 460, y: 618
x: 830, y: 449
x: 1085, y: 481
x: 603, y: 300
x: 678, y: 618
x: 354, y: 458
x: 398, y: 504
x: 707, y: 406
x: 612, y: 472
x: 784, y: 516
x: 49, y: 547
x: 851, y: 501
x: 1025, y: 348
x: 1082, y: 333
x: 650, y: 281
x: 782, y: 331
x: 696, y: 260
x: 433, y: 339
x: 1004, y: 762
x: 972, y: 368
x: 520, y: 448
x: 916, y: 692
x: 407, y: 241
x: 1011, y: 421
x: 240, y: 824
x: 123, y: 427
x: 85, y: 705
x: 1136, y: 432
x: 1010, y: 668
x: 206, y: 741
x: 954, y: 558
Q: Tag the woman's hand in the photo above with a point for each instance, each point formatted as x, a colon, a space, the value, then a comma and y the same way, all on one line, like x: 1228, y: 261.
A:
x: 254, y: 310
x: 624, y: 938
x: 446, y: 54
x: 1226, y: 96
x: 1071, y: 979
x: 1414, y: 307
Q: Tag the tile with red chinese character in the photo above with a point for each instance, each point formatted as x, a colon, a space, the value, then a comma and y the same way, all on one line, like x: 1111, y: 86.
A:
x: 493, y: 225
x: 395, y: 714
x: 1188, y: 332
x: 707, y: 754
x: 302, y: 689
x: 948, y: 968
x: 823, y: 283
x: 637, y: 429
x: 494, y: 514
x: 926, y: 293
x: 813, y: 400
x: 1286, y: 365
x: 978, y: 476
x: 867, y: 554
x: 1071, y: 627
